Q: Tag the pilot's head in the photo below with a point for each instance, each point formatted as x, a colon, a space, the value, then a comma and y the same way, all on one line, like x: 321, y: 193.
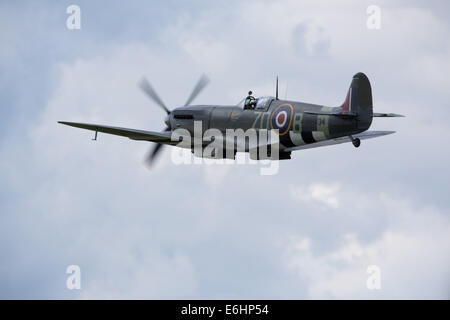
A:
x: 250, y: 93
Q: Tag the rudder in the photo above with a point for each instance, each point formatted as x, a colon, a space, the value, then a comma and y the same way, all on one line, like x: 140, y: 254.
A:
x: 359, y: 100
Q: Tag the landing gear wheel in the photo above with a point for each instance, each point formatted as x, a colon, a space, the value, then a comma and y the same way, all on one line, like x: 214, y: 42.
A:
x: 356, y: 142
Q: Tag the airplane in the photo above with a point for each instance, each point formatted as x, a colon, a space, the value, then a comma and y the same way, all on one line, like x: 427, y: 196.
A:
x: 299, y: 125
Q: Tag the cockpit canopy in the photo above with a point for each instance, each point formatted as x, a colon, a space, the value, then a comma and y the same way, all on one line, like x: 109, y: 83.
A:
x: 262, y: 103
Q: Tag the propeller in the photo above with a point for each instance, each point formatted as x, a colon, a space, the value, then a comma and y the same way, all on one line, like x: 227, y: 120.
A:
x: 153, y: 153
x: 201, y: 84
x: 151, y: 93
x: 148, y: 89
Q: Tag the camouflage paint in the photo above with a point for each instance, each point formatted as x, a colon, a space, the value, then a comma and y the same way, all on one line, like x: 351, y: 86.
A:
x: 299, y: 127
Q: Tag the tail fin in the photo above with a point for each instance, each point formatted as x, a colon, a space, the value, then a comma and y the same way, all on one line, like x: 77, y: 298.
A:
x: 359, y: 100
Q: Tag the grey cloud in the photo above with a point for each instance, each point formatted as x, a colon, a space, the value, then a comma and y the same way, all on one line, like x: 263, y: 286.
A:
x: 210, y: 232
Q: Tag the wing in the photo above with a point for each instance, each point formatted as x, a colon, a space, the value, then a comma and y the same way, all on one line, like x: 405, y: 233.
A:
x: 361, y: 136
x: 161, y: 137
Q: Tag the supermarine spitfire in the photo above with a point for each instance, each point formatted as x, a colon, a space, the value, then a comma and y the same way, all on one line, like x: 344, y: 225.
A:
x: 298, y: 125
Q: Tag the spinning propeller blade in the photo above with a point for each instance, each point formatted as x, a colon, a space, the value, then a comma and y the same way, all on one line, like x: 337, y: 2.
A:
x: 148, y: 89
x: 153, y: 153
x: 201, y: 84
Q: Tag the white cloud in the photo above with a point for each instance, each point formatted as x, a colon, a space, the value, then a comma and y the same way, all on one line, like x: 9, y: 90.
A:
x: 209, y: 231
x: 326, y: 194
x: 412, y: 253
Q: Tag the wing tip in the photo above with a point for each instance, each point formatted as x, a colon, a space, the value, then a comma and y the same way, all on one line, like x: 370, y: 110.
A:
x: 68, y: 123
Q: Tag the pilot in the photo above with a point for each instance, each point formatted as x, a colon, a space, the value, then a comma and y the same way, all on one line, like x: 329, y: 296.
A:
x: 250, y: 101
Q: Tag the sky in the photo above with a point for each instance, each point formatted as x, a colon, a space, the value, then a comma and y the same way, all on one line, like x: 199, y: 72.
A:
x: 204, y: 231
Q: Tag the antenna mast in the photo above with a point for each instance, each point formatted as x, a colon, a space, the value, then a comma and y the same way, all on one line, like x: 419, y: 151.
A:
x: 276, y: 93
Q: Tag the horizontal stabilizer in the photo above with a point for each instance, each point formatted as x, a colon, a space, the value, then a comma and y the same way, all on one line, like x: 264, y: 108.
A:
x: 341, y: 113
x: 387, y: 115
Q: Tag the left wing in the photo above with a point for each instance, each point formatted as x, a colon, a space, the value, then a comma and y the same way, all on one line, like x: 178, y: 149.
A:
x: 361, y: 136
x: 161, y: 137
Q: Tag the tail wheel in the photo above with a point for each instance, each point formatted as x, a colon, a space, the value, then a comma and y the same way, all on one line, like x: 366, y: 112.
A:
x: 356, y: 142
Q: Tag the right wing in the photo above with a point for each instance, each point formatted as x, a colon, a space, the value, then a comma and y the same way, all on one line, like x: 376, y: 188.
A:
x: 161, y: 137
x: 361, y: 136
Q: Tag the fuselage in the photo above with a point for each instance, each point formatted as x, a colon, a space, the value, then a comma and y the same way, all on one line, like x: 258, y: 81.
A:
x: 295, y: 125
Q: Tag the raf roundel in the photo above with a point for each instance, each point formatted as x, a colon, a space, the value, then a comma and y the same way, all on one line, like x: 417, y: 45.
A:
x: 281, y: 118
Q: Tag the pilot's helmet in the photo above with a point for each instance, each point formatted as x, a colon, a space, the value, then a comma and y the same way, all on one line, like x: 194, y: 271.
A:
x: 250, y: 93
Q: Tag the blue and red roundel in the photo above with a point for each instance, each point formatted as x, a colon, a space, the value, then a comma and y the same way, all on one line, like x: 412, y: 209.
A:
x: 281, y: 118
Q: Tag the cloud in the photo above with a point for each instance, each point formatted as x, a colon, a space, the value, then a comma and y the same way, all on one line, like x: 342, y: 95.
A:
x: 411, y: 253
x: 225, y: 231
x: 318, y: 192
